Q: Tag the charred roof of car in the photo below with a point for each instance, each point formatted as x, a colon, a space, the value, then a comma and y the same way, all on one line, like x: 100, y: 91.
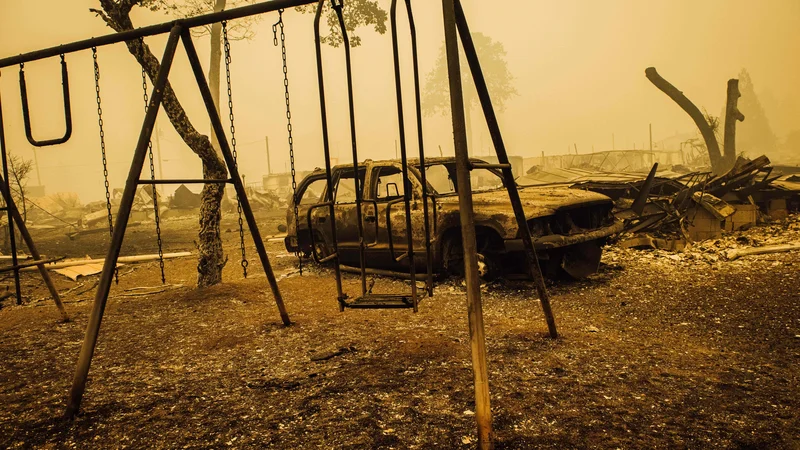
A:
x: 411, y: 161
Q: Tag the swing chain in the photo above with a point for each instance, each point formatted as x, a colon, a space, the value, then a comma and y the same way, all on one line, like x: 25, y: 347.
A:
x: 102, y: 139
x: 153, y: 177
x: 103, y: 148
x: 295, y: 201
x: 227, y: 48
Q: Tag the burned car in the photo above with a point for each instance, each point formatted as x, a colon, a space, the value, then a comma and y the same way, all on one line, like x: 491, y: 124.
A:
x: 568, y: 226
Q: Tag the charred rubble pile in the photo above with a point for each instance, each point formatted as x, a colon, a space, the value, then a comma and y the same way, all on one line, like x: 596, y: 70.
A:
x: 669, y: 212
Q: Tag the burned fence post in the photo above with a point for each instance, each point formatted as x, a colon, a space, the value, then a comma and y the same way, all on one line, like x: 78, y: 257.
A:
x: 483, y: 413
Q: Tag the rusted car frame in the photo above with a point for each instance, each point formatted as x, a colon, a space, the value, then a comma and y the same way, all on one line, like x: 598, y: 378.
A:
x: 568, y: 226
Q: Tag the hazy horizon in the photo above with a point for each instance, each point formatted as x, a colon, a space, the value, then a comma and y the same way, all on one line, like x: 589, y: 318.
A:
x: 578, y: 67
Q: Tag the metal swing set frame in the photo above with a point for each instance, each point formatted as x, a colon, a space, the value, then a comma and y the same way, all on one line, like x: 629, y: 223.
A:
x: 455, y: 25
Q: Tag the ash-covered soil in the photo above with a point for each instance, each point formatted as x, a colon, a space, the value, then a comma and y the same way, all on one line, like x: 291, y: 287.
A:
x: 654, y: 352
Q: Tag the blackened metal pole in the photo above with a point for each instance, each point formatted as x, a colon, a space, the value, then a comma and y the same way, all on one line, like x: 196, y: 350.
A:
x: 403, y: 157
x: 483, y: 413
x: 326, y: 149
x: 418, y: 103
x: 238, y: 185
x: 107, y: 276
x: 7, y: 187
x: 502, y: 158
x: 337, y: 7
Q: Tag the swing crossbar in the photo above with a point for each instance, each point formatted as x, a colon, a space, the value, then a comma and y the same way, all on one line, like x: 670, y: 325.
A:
x: 152, y: 30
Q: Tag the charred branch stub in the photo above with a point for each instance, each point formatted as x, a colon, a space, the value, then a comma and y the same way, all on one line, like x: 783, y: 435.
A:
x: 699, y: 119
x: 732, y: 114
x: 116, y: 15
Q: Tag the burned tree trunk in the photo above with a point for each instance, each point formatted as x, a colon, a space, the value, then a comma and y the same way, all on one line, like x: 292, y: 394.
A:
x: 211, y: 259
x: 699, y: 119
x: 214, y: 68
x: 732, y: 114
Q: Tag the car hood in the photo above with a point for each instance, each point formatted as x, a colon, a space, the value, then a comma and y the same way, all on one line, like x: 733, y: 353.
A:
x: 536, y: 201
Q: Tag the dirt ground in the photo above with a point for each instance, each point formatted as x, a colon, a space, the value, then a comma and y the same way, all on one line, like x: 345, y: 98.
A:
x: 654, y: 352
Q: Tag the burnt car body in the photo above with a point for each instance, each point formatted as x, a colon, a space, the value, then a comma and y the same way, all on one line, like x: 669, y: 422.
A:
x: 568, y: 226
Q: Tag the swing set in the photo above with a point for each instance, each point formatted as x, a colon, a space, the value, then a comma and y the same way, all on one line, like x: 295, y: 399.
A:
x: 455, y: 25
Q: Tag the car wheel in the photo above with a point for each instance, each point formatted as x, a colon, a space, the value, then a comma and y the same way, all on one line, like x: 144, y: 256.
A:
x: 487, y: 267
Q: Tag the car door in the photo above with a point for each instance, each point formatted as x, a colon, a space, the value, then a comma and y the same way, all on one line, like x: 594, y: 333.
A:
x: 345, y: 210
x: 309, y: 193
x: 388, y: 239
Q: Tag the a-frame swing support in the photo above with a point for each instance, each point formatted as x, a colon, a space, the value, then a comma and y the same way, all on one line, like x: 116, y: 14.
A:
x: 454, y: 24
x: 178, y: 32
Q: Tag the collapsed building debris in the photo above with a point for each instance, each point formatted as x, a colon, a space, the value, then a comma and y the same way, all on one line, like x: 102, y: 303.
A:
x: 698, y: 206
x: 666, y: 208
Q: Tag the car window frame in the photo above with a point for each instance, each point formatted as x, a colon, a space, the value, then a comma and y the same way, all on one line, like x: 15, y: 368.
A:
x: 337, y: 177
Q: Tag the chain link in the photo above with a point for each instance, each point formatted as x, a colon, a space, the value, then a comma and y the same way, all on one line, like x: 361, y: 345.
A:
x: 153, y: 177
x: 103, y: 148
x: 227, y: 48
x: 295, y: 201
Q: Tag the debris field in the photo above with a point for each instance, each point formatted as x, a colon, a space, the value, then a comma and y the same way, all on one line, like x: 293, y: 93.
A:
x: 658, y: 349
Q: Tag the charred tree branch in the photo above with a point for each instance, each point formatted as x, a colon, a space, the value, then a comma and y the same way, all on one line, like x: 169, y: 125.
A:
x: 699, y: 119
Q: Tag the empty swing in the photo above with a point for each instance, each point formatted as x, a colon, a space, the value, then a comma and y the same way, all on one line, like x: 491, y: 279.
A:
x: 156, y: 215
x: 295, y: 200
x: 103, y: 148
x: 227, y: 49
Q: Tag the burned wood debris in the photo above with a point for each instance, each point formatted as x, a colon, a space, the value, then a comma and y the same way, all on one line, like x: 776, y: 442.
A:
x: 667, y: 209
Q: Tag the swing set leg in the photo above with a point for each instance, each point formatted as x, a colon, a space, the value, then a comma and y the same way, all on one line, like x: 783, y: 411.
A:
x: 236, y: 179
x: 106, y: 277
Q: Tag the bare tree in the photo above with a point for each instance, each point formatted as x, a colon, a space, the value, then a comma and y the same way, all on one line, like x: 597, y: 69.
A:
x: 116, y: 14
x: 500, y: 81
x: 20, y: 169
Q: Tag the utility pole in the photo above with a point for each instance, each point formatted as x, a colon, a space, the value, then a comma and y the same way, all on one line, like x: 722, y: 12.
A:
x: 158, y: 151
x: 576, y: 148
x: 36, y: 161
x: 651, y: 137
x: 157, y: 132
x: 269, y: 168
